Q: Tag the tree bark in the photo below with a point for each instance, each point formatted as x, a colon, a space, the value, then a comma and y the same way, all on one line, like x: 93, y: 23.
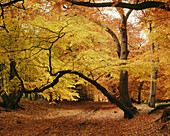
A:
x: 139, y: 92
x: 123, y: 81
x: 115, y: 39
x: 152, y: 95
x: 12, y: 100
x: 59, y: 74
x: 110, y: 97
x: 123, y: 89
x: 138, y: 6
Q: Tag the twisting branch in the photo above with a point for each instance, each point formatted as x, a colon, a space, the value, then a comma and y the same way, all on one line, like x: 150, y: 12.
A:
x: 2, y: 15
x: 140, y: 6
x: 112, y: 34
x: 50, y: 61
x: 59, y: 74
x: 110, y: 97
x: 60, y: 35
x: 14, y: 72
x: 10, y: 3
x: 2, y: 5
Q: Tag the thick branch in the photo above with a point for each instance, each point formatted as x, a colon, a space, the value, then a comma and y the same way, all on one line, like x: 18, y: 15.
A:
x: 2, y: 5
x: 50, y: 61
x: 9, y: 3
x: 128, y: 13
x: 116, y: 40
x: 2, y: 15
x: 110, y: 97
x: 140, y: 6
x: 16, y: 73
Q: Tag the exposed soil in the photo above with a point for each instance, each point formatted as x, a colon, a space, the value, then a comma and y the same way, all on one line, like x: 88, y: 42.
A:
x: 79, y: 119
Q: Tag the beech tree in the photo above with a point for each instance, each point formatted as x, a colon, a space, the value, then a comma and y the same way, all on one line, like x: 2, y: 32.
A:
x: 28, y: 52
x: 155, y: 21
x: 122, y: 50
x: 49, y: 38
x: 40, y: 30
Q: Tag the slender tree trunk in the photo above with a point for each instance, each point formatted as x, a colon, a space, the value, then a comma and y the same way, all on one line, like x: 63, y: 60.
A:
x: 139, y: 97
x: 30, y: 96
x: 152, y: 95
x: 36, y: 96
x: 26, y: 95
x: 139, y: 92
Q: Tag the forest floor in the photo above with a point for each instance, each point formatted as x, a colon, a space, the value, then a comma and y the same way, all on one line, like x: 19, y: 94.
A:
x: 79, y: 119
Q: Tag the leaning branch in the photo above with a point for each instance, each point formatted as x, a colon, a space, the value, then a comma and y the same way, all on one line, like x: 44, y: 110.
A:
x: 140, y: 6
x: 110, y: 97
x: 2, y: 15
x: 116, y: 40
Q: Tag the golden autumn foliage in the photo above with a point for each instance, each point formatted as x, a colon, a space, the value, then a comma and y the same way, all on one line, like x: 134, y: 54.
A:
x: 81, y: 43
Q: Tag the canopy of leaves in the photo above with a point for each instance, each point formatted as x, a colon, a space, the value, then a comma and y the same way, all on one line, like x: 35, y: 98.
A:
x: 78, y: 42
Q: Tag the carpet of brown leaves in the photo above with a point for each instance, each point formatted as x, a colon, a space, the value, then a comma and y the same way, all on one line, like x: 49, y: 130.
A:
x: 78, y: 119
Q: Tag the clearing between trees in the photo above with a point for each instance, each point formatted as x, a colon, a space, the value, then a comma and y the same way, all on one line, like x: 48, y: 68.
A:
x: 39, y: 118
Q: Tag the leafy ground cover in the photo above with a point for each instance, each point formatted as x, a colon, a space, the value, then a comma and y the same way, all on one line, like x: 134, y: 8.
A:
x: 79, y: 119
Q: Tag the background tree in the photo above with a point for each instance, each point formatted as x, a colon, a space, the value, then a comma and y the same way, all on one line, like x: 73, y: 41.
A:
x: 156, y: 24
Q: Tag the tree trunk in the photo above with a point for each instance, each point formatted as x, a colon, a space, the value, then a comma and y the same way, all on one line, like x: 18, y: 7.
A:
x: 139, y: 97
x: 127, y: 111
x: 11, y: 101
x: 123, y: 89
x: 122, y: 54
x: 26, y: 95
x: 139, y: 92
x: 36, y: 96
x: 123, y: 81
x: 152, y: 95
x: 30, y: 96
